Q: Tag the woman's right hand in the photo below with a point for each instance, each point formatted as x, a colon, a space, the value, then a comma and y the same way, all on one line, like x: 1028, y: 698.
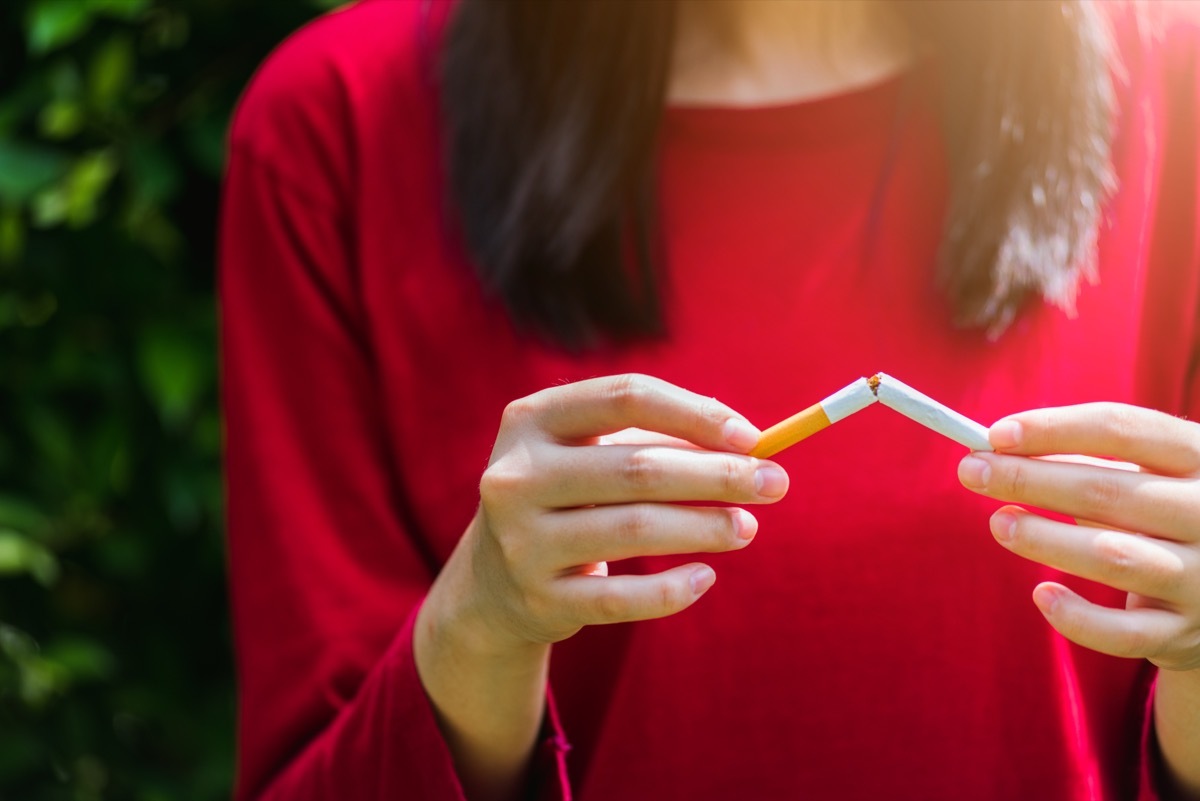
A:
x: 591, y: 472
x: 581, y: 475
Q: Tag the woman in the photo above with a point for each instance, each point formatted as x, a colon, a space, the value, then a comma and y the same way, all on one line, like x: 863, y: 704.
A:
x: 554, y: 232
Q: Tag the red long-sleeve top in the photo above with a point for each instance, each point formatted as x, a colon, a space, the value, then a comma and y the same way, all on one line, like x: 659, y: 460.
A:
x: 874, y: 642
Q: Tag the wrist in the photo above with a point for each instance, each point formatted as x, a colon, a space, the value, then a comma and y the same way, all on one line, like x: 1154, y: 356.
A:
x: 459, y: 615
x: 487, y: 688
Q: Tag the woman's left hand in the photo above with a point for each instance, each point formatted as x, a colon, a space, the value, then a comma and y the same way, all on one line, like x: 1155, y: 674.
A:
x: 1138, y: 529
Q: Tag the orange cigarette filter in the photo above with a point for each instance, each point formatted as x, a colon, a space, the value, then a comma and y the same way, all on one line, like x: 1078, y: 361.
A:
x: 838, y: 406
x: 788, y: 432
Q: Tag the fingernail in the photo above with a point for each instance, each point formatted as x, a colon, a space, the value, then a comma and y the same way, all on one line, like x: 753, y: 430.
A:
x: 1004, y: 526
x: 744, y: 524
x: 1005, y: 434
x: 740, y: 434
x: 702, y: 579
x: 974, y: 472
x: 1046, y: 598
x: 770, y: 481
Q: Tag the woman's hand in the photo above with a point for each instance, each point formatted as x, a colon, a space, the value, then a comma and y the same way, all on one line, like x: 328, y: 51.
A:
x: 1138, y: 531
x: 587, y: 473
x: 580, y: 475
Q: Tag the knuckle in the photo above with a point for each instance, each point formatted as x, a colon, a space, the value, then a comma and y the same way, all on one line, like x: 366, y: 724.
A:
x: 629, y: 391
x: 499, y: 482
x: 519, y: 410
x: 641, y: 470
x: 710, y: 412
x: 1115, y: 554
x: 1041, y: 424
x: 669, y: 597
x: 508, y: 547
x: 1189, y: 447
x: 490, y: 487
x: 611, y: 604
x: 1103, y: 493
x: 514, y: 550
x: 1119, y: 424
x: 1015, y: 479
x: 725, y: 532
x: 638, y: 525
x: 732, y: 479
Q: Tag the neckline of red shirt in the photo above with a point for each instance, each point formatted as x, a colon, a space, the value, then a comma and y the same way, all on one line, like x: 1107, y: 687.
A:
x: 864, y: 110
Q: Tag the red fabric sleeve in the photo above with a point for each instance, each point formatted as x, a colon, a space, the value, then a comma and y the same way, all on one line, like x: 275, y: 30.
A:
x: 1150, y: 779
x: 322, y: 576
x: 325, y: 578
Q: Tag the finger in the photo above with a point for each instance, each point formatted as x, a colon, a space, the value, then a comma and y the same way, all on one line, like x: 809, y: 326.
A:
x: 1145, y: 502
x: 606, y: 474
x: 1095, y: 461
x: 620, y: 599
x: 1155, y: 568
x: 609, y: 533
x: 1157, y: 441
x: 601, y: 406
x: 1136, y: 633
x: 639, y: 436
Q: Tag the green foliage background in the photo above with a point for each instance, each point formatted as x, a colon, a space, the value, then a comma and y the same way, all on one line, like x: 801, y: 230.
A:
x: 115, y: 669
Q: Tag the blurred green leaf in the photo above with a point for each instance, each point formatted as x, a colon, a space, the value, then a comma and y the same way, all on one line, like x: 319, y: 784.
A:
x: 174, y: 370
x: 123, y: 9
x: 64, y: 79
x: 50, y: 207
x: 51, y: 24
x: 110, y: 72
x: 61, y: 119
x: 40, y: 681
x: 85, y: 184
x: 17, y: 513
x: 26, y: 169
x: 12, y: 236
x: 80, y: 658
x: 20, y: 555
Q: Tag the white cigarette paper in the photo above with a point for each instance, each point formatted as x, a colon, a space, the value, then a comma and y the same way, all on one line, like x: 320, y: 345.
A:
x: 848, y: 400
x: 900, y: 397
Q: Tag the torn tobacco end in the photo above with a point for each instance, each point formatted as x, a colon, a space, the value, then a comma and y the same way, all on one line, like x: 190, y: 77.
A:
x: 873, y: 383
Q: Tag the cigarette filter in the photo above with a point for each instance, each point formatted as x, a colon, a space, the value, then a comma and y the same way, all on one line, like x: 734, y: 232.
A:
x: 900, y: 397
x: 838, y: 406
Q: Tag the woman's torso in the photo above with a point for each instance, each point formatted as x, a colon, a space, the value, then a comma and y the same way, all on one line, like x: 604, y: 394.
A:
x: 873, y: 642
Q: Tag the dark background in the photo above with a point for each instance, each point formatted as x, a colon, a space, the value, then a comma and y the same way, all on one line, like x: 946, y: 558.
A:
x: 115, y: 670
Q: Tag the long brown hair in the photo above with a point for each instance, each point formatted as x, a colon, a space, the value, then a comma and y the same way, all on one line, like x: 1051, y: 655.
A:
x: 552, y: 109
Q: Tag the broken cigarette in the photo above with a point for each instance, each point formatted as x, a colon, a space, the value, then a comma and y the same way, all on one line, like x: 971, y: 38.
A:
x: 838, y: 406
x: 900, y: 397
x: 882, y: 388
